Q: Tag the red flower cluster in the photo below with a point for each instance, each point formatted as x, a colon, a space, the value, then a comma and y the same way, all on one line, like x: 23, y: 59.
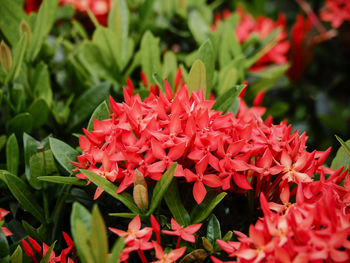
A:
x: 3, y: 213
x: 100, y: 8
x: 137, y: 239
x: 336, y: 12
x: 211, y: 149
x: 314, y: 229
x: 41, y: 250
x: 262, y: 27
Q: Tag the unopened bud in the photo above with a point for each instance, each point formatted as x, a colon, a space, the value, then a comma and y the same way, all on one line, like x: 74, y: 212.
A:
x: 5, y: 57
x: 140, y: 194
x: 207, y: 245
x: 24, y: 28
x: 139, y: 179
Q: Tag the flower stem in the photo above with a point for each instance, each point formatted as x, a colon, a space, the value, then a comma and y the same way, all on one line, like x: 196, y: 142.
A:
x: 142, y: 256
x: 178, y: 242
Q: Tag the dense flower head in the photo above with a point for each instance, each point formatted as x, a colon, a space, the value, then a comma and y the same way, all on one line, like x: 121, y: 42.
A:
x: 336, y: 12
x: 262, y: 26
x: 314, y: 229
x: 212, y: 149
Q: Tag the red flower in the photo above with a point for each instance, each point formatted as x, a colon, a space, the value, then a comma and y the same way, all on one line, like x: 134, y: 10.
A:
x: 3, y: 213
x: 169, y: 257
x: 336, y: 12
x: 185, y: 233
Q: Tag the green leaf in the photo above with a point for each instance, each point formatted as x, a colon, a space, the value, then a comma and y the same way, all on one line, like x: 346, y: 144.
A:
x: 227, y: 79
x: 116, y: 250
x: 213, y: 229
x: 43, y: 23
x: 124, y: 215
x: 22, y: 122
x: 12, y: 154
x: 224, y: 102
x: 342, y: 157
x: 111, y: 189
x: 169, y: 66
x: 161, y: 188
x: 21, y: 192
x: 18, y: 55
x: 48, y: 253
x: 11, y: 13
x: 197, y: 78
x: 99, y: 236
x: 18, y: 97
x: 63, y: 154
x: 4, y: 246
x: 150, y: 55
x: 40, y: 113
x: 343, y: 144
x: 41, y: 164
x: 62, y: 180
x: 202, y: 211
x: 87, y: 102
x: 199, y: 28
x: 100, y: 113
x: 159, y: 81
x: 42, y: 84
x: 17, y: 255
x: 3, y: 140
x: 174, y: 203
x: 118, y: 21
x: 207, y: 56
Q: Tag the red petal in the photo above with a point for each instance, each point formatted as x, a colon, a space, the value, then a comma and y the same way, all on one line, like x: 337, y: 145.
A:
x: 157, y: 149
x: 199, y: 191
x: 241, y: 181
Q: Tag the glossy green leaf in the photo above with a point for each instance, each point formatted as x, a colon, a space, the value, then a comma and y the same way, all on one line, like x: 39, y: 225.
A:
x: 40, y: 113
x: 62, y: 180
x: 100, y: 113
x: 46, y: 257
x: 43, y: 23
x: 80, y: 221
x: 198, y: 26
x: 30, y: 230
x: 12, y: 154
x: 99, y: 236
x: 159, y: 81
x: 17, y: 255
x: 22, y: 193
x: 123, y: 215
x: 4, y: 247
x: 41, y: 164
x: 161, y: 187
x: 18, y: 55
x: 174, y: 203
x: 87, y: 103
x: 202, y: 211
x: 116, y: 250
x: 213, y: 229
x: 150, y: 55
x: 83, y: 243
x: 42, y: 84
x: 207, y: 56
x: 224, y: 101
x: 63, y: 154
x: 118, y: 21
x: 11, y: 13
x: 197, y: 78
x: 342, y: 157
x: 111, y: 189
x: 22, y: 122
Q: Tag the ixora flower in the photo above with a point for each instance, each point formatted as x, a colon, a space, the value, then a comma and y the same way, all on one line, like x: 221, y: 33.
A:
x: 336, y: 12
x: 39, y: 251
x: 314, y: 229
x: 169, y: 257
x: 262, y: 26
x: 3, y: 213
x: 234, y: 153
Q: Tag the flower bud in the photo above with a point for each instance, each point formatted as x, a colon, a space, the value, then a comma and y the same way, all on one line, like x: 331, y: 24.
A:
x: 139, y: 179
x: 140, y: 194
x: 207, y: 245
x: 24, y: 28
x: 5, y: 57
